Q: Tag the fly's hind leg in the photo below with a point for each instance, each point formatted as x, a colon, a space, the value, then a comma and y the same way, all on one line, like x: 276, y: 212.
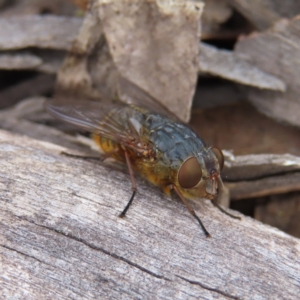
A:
x: 101, y: 158
x: 79, y: 156
x: 133, y: 182
x: 192, y: 212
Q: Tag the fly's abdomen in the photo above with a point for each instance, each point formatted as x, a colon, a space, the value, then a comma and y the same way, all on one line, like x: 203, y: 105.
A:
x: 105, y: 144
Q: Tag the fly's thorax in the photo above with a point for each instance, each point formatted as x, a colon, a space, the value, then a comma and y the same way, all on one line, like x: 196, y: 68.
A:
x: 173, y: 141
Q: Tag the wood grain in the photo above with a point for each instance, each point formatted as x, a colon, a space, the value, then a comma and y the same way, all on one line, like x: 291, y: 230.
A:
x: 60, y: 237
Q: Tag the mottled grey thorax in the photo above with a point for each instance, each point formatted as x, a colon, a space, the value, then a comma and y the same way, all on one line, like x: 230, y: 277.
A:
x: 174, y: 141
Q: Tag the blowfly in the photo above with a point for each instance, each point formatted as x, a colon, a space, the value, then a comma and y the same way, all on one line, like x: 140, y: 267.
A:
x: 150, y: 141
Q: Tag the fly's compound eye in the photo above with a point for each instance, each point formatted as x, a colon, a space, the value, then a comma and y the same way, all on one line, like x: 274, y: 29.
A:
x: 220, y: 157
x: 190, y: 173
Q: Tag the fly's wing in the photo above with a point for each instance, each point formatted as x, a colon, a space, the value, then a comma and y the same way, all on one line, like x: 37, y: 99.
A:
x: 136, y: 96
x: 112, y: 119
x: 97, y: 117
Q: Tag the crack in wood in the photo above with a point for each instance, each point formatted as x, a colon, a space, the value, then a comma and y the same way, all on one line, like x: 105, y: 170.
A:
x: 96, y: 248
x: 208, y: 288
x: 24, y: 254
x: 91, y: 200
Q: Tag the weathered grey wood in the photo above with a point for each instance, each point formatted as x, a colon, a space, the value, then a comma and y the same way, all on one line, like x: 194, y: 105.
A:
x: 19, y: 61
x: 232, y: 66
x: 61, y: 237
x: 54, y: 32
x: 276, y: 51
x: 38, y: 31
x: 155, y: 29
x: 256, y: 166
x: 248, y: 176
x: 264, y: 14
x: 264, y: 186
x: 48, y: 62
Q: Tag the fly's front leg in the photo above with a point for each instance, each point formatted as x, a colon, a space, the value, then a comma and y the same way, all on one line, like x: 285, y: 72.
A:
x: 133, y: 182
x: 192, y: 212
x: 216, y: 204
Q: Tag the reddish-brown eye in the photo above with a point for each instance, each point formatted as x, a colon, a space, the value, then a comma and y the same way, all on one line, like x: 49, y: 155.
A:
x: 190, y: 173
x: 220, y: 157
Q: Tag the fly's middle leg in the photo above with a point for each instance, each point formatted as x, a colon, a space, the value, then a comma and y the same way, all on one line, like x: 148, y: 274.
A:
x: 133, y: 182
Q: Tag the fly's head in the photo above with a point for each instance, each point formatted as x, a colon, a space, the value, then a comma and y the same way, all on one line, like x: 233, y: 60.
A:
x: 199, y: 175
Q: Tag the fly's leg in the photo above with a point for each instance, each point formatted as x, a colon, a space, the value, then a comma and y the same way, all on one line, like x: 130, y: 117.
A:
x: 101, y: 158
x: 79, y: 156
x: 133, y: 182
x: 192, y: 212
x: 216, y: 204
x: 105, y: 156
x: 109, y: 154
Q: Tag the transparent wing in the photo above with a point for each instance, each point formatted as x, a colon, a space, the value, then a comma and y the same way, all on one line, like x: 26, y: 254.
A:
x: 137, y: 96
x: 110, y: 119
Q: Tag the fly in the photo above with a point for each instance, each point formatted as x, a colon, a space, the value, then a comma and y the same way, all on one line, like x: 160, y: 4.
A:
x: 163, y: 150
